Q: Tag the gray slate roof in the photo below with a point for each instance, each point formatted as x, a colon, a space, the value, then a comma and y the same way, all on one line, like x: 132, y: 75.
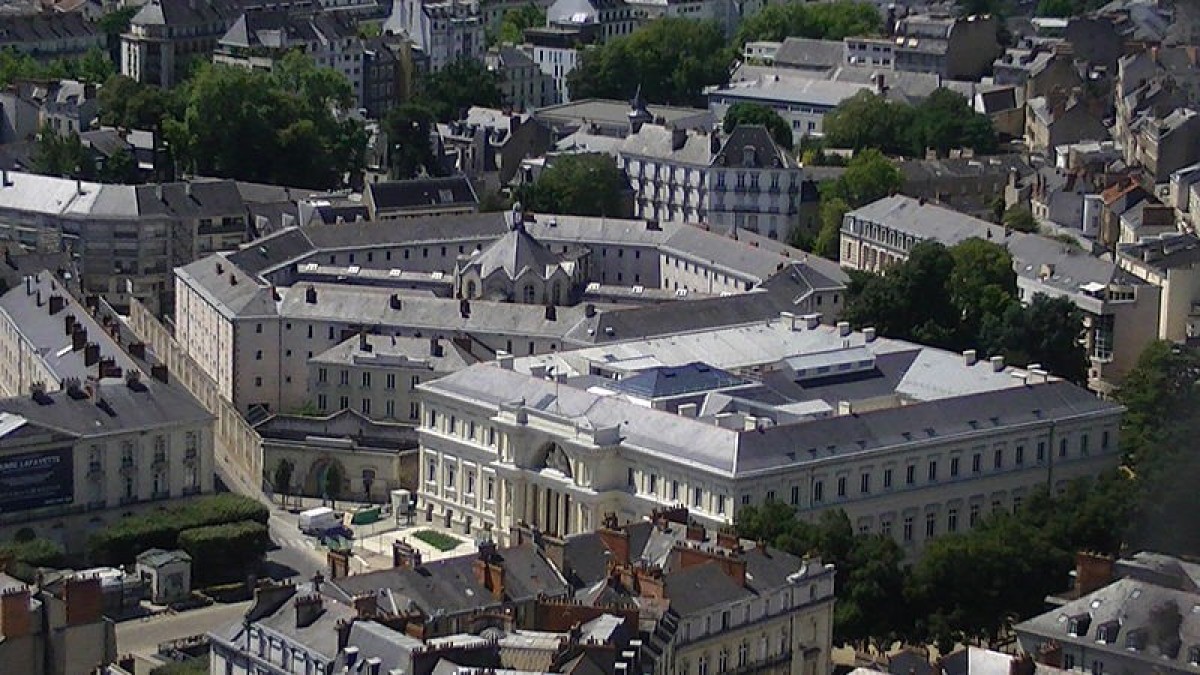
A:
x: 418, y: 192
x: 158, y: 406
x: 795, y: 52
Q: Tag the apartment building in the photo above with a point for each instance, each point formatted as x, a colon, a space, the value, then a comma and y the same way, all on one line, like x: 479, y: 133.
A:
x: 556, y: 48
x: 801, y: 102
x: 56, y: 627
x: 87, y: 434
x: 910, y: 441
x: 165, y: 35
x: 252, y: 319
x: 1172, y: 263
x: 957, y: 48
x: 51, y: 35
x: 444, y: 31
x: 1120, y: 310
x: 743, y: 181
x: 523, y: 83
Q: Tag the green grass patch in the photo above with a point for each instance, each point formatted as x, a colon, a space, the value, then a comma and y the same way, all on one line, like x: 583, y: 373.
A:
x: 442, y: 542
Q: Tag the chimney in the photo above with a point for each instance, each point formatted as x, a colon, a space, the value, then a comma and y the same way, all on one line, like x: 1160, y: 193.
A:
x: 615, y: 540
x: 308, y: 609
x: 364, y: 345
x: 869, y: 334
x: 969, y: 357
x: 339, y: 563
x: 504, y: 359
x: 78, y: 337
x: 489, y: 569
x: 310, y: 295
x: 1092, y: 572
x: 811, y: 321
x: 57, y: 302
x: 39, y: 297
x: 16, y: 619
x: 78, y: 186
x: 69, y: 324
x: 589, y: 310
x: 159, y: 372
x: 997, y: 363
x: 28, y: 285
x: 695, y: 531
x: 435, y: 347
x: 91, y: 354
x: 727, y: 539
x: 880, y: 83
x: 394, y: 302
x: 83, y: 600
x: 843, y: 328
x: 366, y: 606
x: 405, y: 555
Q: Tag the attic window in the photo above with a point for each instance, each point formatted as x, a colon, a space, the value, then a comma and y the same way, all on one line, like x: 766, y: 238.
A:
x: 1078, y: 625
x: 1194, y: 655
x: 1135, y: 640
x: 1106, y: 633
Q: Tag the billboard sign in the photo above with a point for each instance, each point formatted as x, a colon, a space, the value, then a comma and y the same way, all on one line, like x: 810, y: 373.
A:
x: 36, y: 479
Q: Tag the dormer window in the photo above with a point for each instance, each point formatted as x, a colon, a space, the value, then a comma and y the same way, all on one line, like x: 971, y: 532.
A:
x: 1194, y: 655
x: 748, y: 156
x: 1078, y: 625
x: 1135, y: 640
x: 1106, y: 633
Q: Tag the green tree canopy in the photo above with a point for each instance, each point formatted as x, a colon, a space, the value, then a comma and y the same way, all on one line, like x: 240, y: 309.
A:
x: 278, y: 127
x: 583, y: 185
x: 869, y: 176
x: 942, y: 122
x: 93, y: 67
x: 823, y: 21
x: 451, y: 91
x: 61, y: 155
x: 408, y: 128
x: 671, y: 59
x: 753, y: 113
x: 126, y: 103
x: 515, y: 21
x: 1020, y: 219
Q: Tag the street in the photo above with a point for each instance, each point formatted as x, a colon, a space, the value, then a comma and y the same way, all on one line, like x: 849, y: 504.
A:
x: 141, y: 637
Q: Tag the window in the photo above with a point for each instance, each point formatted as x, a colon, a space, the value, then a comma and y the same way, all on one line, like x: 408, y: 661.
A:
x: 721, y: 504
x: 416, y: 379
x: 470, y: 487
x: 722, y: 661
x: 258, y: 328
x: 431, y: 471
x: 389, y: 407
x: 322, y: 375
x: 910, y: 474
x: 998, y: 460
x: 1104, y: 440
x: 953, y: 467
x: 697, y: 497
x: 366, y: 406
x: 653, y: 484
x: 976, y: 462
x: 258, y: 355
x: 258, y: 381
x: 1019, y: 455
x: 343, y: 402
x: 743, y: 653
x: 973, y: 516
x: 1041, y: 452
x: 450, y: 476
x: 344, y: 377
x: 932, y: 469
x: 930, y: 524
x: 865, y: 483
x: 885, y: 528
x: 952, y: 520
x: 818, y: 492
x: 1083, y: 445
x: 702, y: 666
x: 1062, y: 448
x: 390, y: 381
x: 366, y: 380
x: 795, y: 495
x: 629, y: 478
x: 674, y: 490
x: 887, y: 479
x: 908, y: 528
x: 414, y: 410
x: 452, y: 426
x: 489, y: 488
x: 841, y: 486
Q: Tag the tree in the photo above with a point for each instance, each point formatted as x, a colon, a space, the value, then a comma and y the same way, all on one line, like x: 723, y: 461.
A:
x: 584, y: 185
x: 282, y: 480
x: 1158, y: 391
x: 982, y: 284
x: 1020, y: 219
x: 277, y: 127
x: 61, y: 155
x: 671, y: 60
x: 113, y: 24
x: 944, y: 121
x: 331, y: 486
x: 408, y: 129
x: 752, y: 113
x: 119, y: 168
x: 224, y: 552
x: 451, y: 91
x: 126, y: 103
x: 1046, y: 331
x: 830, y: 213
x: 869, y: 176
x: 867, y: 120
x: 822, y: 21
x: 515, y: 21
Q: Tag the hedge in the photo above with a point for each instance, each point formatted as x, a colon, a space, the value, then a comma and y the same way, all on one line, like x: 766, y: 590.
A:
x: 221, y: 551
x: 33, y: 552
x: 122, y: 541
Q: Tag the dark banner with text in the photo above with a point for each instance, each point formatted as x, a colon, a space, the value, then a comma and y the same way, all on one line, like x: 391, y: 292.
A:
x: 36, y: 479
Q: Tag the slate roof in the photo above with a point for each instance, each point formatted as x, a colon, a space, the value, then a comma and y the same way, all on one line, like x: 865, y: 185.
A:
x: 20, y: 31
x: 157, y: 406
x: 386, y: 349
x: 514, y: 253
x: 656, y: 141
x: 927, y: 220
x: 420, y: 192
x: 735, y: 150
x: 677, y: 380
x: 449, y: 584
x: 695, y: 589
x: 176, y: 13
x: 273, y: 29
x: 1164, y: 253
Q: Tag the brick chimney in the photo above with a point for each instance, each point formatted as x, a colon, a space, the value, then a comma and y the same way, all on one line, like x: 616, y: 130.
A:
x: 733, y: 564
x: 695, y: 531
x: 727, y: 539
x: 16, y: 621
x: 1092, y: 572
x: 339, y: 563
x: 308, y: 609
x: 83, y: 601
x: 366, y: 606
x: 405, y: 555
x: 615, y: 540
x: 78, y: 337
x: 489, y: 569
x: 91, y: 354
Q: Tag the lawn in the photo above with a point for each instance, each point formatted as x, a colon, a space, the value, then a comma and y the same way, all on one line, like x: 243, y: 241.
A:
x: 442, y: 542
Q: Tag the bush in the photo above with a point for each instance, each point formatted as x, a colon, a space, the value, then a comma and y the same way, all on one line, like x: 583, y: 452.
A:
x: 121, y: 542
x: 33, y: 552
x: 219, y: 551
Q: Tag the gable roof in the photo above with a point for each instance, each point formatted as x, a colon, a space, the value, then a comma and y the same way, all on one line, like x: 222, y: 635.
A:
x: 514, y: 253
x: 418, y: 192
x: 750, y: 146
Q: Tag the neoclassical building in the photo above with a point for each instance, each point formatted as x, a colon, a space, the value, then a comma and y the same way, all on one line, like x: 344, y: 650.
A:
x: 912, y: 442
x: 518, y: 268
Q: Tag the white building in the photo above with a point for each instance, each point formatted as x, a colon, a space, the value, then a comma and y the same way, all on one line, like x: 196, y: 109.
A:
x: 910, y: 441
x: 444, y: 31
x: 744, y: 181
x: 801, y: 102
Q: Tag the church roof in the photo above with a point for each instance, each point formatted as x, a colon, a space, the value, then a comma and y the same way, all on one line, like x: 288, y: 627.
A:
x: 516, y: 252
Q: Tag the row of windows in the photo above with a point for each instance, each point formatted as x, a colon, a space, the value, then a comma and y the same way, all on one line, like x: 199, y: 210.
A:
x: 365, y: 406
x: 389, y: 379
